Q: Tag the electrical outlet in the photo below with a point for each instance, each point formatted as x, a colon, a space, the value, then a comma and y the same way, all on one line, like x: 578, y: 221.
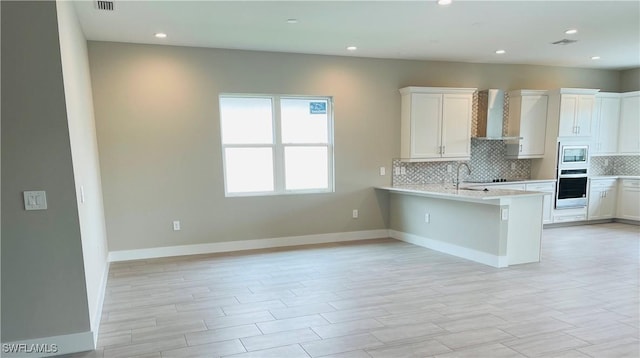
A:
x: 396, y: 171
x: 176, y: 225
x: 403, y: 171
x: 355, y: 214
x: 383, y: 171
x: 513, y: 166
x: 449, y: 168
x: 505, y: 214
x: 427, y: 218
x: 35, y: 200
x: 606, y: 162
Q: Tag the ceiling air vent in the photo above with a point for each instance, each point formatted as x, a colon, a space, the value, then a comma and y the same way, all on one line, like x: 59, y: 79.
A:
x: 104, y: 5
x: 564, y: 42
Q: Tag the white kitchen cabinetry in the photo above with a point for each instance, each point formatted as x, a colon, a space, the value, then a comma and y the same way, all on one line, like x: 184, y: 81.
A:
x: 629, y: 135
x: 549, y: 188
x: 436, y: 123
x: 629, y: 199
x: 602, y: 199
x: 528, y: 120
x: 576, y: 112
x: 605, y: 124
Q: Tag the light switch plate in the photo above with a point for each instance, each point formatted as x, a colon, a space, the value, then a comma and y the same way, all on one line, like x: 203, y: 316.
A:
x: 505, y: 214
x: 35, y: 200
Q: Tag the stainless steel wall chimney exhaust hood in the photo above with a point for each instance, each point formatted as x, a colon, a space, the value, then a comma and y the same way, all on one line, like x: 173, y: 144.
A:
x: 491, y: 115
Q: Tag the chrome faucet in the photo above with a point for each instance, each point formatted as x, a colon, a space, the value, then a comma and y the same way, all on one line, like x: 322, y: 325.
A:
x: 458, y: 173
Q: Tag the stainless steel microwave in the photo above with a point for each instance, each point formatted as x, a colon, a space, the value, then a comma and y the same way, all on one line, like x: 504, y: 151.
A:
x: 573, y: 156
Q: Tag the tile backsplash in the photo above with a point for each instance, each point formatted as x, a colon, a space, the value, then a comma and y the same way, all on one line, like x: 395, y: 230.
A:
x: 487, y: 162
x: 615, y: 165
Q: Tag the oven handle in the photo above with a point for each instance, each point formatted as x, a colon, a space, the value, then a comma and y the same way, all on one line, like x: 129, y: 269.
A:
x: 573, y: 176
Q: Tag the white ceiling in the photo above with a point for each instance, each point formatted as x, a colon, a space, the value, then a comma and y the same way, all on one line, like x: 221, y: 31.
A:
x: 465, y: 31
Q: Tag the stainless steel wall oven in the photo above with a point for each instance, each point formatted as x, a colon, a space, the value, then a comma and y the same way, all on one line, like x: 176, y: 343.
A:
x: 573, y: 164
x: 572, y: 188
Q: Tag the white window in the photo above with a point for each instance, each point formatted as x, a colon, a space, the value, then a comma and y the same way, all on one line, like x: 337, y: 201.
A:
x: 276, y: 144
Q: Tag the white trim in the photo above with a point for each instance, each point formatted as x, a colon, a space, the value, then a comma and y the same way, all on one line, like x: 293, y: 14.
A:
x: 69, y: 343
x: 167, y: 251
x: 95, y: 324
x: 451, y: 249
x: 437, y: 90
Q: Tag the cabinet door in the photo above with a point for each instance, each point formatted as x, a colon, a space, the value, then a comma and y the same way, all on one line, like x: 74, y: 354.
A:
x: 426, y: 119
x: 608, y: 206
x: 595, y: 204
x: 629, y: 200
x: 584, y: 117
x: 547, y: 206
x: 605, y: 128
x: 629, y: 136
x: 533, y: 125
x: 456, y: 125
x: 568, y: 113
x: 602, y: 199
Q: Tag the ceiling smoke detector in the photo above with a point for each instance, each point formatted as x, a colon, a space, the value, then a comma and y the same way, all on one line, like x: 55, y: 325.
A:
x: 104, y: 5
x: 564, y: 42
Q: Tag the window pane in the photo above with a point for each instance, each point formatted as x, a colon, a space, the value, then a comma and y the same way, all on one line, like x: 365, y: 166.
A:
x: 306, y: 168
x: 249, y: 169
x: 304, y: 120
x: 246, y: 120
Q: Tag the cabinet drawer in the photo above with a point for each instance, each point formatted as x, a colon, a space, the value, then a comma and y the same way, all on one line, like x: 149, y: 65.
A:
x: 569, y: 218
x: 603, y: 184
x: 631, y: 183
x: 544, y: 187
x: 510, y: 186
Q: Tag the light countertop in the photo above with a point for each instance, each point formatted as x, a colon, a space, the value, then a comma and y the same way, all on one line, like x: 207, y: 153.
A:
x: 614, y: 177
x: 464, y: 194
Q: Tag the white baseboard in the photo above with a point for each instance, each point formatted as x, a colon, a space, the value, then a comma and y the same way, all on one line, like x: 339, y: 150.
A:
x: 95, y: 324
x: 49, y: 346
x: 168, y: 251
x: 451, y: 249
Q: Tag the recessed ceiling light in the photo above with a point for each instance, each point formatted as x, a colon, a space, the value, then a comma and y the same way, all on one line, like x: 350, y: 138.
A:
x: 500, y: 52
x: 571, y: 31
x: 292, y: 21
x: 351, y: 48
x: 160, y: 35
x: 595, y: 57
x: 444, y: 2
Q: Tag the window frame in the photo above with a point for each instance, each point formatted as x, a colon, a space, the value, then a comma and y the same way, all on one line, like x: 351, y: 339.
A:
x: 278, y: 147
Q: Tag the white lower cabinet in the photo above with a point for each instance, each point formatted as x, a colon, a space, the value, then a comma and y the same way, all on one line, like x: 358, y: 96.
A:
x: 549, y: 188
x: 629, y: 199
x: 569, y: 215
x: 602, y: 199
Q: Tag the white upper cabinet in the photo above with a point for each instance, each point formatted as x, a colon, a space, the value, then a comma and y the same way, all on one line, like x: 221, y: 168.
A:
x: 528, y: 120
x: 576, y: 114
x: 436, y: 123
x: 605, y: 124
x: 629, y: 130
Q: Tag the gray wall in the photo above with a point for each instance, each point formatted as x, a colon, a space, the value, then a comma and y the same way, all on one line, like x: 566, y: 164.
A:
x: 43, y: 282
x: 447, y: 216
x: 630, y: 80
x: 159, y: 141
x: 84, y: 153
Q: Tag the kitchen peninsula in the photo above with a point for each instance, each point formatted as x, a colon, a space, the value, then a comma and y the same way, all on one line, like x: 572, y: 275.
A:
x: 494, y: 227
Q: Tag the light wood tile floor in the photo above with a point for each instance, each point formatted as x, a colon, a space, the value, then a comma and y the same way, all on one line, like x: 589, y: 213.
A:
x: 380, y: 298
